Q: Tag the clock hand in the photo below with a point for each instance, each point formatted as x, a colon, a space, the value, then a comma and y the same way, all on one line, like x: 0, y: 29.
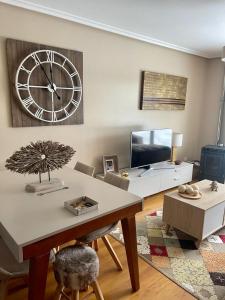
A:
x: 53, y: 103
x: 52, y: 82
x: 42, y: 68
x: 51, y: 72
x: 75, y: 88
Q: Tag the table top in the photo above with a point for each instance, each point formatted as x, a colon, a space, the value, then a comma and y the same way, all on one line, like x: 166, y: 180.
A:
x: 209, y: 198
x: 27, y: 217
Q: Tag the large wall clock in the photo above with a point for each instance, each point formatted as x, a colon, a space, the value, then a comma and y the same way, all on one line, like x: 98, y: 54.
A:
x: 46, y: 84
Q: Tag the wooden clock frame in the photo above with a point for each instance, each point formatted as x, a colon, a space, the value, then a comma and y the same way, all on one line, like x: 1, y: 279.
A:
x: 16, y: 51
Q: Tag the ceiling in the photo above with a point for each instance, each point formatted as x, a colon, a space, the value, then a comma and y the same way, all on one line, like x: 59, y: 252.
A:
x: 191, y: 26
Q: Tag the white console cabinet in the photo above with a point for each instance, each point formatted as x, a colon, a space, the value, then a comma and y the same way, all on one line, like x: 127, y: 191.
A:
x: 161, y: 177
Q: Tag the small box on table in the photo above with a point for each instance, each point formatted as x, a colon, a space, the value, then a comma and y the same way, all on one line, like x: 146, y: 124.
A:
x: 81, y: 205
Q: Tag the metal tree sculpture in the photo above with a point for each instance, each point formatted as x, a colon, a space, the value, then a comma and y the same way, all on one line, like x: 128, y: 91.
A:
x: 40, y: 157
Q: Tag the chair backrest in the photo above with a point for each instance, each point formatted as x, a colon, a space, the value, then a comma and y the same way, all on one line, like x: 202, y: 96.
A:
x: 9, y: 266
x: 116, y: 180
x: 88, y: 170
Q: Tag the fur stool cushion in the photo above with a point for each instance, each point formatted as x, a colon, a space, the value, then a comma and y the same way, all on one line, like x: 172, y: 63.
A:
x: 76, y: 267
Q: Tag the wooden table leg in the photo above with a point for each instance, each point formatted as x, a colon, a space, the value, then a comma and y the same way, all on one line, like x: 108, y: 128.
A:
x: 38, y: 276
x: 130, y: 241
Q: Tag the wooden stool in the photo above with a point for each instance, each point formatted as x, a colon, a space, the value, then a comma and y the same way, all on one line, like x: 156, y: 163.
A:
x: 75, y: 268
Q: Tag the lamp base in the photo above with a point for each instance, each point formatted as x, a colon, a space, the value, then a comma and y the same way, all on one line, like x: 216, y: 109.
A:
x: 178, y: 162
x: 173, y: 154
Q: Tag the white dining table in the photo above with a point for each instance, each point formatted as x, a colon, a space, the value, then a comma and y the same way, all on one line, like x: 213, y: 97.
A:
x: 32, y: 224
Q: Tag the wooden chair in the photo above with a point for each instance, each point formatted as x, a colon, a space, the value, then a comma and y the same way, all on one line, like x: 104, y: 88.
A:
x: 75, y: 268
x: 92, y: 237
x: 120, y: 182
x: 83, y: 168
x: 9, y: 268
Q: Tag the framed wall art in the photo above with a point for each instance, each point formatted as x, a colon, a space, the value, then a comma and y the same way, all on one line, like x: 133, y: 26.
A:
x: 161, y: 91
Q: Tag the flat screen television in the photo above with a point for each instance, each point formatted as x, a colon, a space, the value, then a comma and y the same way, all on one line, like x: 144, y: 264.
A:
x: 150, y: 146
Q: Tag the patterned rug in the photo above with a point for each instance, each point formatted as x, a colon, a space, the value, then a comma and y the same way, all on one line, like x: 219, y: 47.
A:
x: 199, y: 271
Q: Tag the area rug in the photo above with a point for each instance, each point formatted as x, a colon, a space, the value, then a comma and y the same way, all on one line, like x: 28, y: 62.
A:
x: 201, y: 271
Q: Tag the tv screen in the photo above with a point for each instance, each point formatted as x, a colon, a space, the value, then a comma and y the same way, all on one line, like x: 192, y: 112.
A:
x: 150, y: 146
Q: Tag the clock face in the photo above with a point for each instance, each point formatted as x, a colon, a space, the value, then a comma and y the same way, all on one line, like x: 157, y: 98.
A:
x: 48, y: 86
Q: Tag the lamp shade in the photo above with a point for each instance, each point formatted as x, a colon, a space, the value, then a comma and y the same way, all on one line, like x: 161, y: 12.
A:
x: 177, y: 139
x: 223, y: 54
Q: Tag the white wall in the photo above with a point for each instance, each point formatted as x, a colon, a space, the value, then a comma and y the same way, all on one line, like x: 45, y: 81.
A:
x: 112, y: 69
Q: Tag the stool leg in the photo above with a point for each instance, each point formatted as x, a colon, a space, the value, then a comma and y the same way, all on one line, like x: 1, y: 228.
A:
x: 56, y: 249
x: 3, y: 289
x: 91, y: 244
x: 96, y: 245
x: 75, y: 295
x: 58, y: 292
x: 78, y: 243
x: 97, y: 290
x: 112, y: 253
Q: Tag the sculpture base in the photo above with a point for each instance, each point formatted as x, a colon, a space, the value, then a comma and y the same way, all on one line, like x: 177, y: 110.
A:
x: 44, y: 185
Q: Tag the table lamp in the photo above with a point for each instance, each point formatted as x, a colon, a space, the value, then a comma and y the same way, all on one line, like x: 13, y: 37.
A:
x: 176, y: 142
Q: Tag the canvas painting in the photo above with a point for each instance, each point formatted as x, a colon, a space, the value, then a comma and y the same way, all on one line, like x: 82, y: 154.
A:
x: 163, y: 91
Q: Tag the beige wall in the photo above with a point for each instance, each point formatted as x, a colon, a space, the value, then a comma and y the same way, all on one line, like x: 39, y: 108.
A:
x: 211, y: 102
x: 112, y: 67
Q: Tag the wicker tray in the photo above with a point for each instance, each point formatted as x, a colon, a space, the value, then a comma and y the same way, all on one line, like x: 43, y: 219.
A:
x: 187, y: 196
x: 88, y: 205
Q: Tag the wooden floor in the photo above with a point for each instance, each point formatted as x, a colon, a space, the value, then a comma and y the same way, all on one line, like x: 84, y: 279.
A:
x: 115, y: 285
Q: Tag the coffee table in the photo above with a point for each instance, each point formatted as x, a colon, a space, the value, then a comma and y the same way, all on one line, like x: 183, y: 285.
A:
x: 198, y: 218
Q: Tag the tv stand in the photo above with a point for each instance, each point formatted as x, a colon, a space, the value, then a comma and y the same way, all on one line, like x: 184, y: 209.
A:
x: 158, y: 166
x: 146, y: 169
x: 160, y: 177
x: 144, y: 172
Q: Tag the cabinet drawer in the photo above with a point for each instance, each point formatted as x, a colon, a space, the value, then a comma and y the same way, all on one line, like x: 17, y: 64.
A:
x: 169, y: 179
x: 145, y: 186
x: 184, y: 175
x: 175, y: 177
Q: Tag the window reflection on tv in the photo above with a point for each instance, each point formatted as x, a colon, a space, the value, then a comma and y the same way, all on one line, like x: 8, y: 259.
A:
x: 150, y: 146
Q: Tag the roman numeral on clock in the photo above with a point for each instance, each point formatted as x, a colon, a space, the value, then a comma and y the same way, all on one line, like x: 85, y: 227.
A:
x: 54, y: 117
x: 22, y: 86
x: 75, y: 103
x: 77, y: 88
x: 26, y: 70
x: 66, y: 112
x: 50, y: 56
x: 65, y: 60
x: 36, y: 59
x: 28, y: 101
x: 73, y: 74
x: 39, y: 113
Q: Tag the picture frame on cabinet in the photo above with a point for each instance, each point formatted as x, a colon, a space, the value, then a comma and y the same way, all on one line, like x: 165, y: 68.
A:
x: 110, y: 163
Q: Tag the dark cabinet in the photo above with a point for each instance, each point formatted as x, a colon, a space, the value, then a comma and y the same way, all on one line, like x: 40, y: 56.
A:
x: 212, y: 165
